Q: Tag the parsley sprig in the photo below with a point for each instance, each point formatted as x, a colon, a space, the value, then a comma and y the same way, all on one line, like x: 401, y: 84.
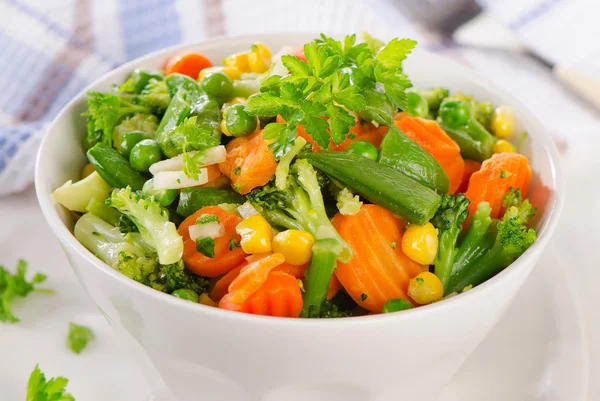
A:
x: 342, y: 79
x: 16, y: 285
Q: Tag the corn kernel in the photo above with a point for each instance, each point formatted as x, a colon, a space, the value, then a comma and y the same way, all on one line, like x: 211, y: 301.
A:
x: 237, y: 100
x: 295, y: 245
x: 256, y: 234
x: 224, y: 129
x: 420, y: 243
x: 259, y: 58
x: 239, y: 61
x: 231, y: 72
x: 503, y: 122
x: 425, y: 288
x: 204, y: 299
x: 503, y: 146
x: 87, y: 170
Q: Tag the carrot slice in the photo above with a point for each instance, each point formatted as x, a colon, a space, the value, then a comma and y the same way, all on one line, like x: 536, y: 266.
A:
x: 379, y: 270
x: 494, y: 179
x: 437, y: 143
x: 189, y: 64
x: 252, y: 277
x: 299, y: 271
x: 225, y: 259
x: 221, y: 287
x: 249, y: 162
x: 279, y: 295
x: 471, y: 166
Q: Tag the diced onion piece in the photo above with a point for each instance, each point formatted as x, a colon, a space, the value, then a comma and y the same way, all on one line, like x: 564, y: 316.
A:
x: 214, y: 229
x: 246, y: 210
x: 211, y: 156
x: 178, y: 179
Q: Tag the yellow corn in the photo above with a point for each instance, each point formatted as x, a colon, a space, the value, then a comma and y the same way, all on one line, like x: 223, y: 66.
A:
x: 224, y: 129
x: 420, y: 243
x: 503, y: 146
x: 256, y: 234
x: 87, y: 170
x: 232, y: 72
x: 295, y: 245
x: 503, y: 122
x: 239, y: 61
x: 237, y: 100
x: 259, y: 58
x: 425, y: 288
x: 204, y: 299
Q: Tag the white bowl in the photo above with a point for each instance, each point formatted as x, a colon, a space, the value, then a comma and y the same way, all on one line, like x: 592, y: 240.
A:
x: 206, y: 353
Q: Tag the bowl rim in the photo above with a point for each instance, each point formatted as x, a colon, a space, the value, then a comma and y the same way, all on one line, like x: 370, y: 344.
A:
x: 47, y: 204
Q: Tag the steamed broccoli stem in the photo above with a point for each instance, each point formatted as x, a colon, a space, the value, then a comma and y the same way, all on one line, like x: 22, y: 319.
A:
x: 477, y: 239
x: 448, y: 220
x: 152, y: 220
x: 106, y: 213
x: 318, y: 276
x: 283, y: 168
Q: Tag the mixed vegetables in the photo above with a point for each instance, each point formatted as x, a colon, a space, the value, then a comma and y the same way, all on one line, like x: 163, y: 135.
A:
x: 313, y: 183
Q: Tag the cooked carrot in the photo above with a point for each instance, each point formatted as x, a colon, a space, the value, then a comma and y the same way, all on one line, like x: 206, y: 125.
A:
x: 279, y: 295
x: 252, y: 277
x: 437, y: 143
x: 494, y: 179
x: 379, y: 270
x: 189, y: 64
x: 299, y: 52
x: 249, y: 162
x: 225, y: 259
x: 471, y: 166
x: 299, y: 271
x: 221, y: 286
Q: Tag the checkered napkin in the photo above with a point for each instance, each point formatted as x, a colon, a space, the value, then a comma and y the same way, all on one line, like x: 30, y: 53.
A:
x: 51, y: 50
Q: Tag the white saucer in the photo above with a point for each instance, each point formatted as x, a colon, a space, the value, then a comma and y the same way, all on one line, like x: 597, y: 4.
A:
x: 538, y: 351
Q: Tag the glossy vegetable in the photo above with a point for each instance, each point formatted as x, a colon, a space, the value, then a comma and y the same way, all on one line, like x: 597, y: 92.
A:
x: 503, y: 146
x: 503, y: 122
x: 420, y: 243
x: 138, y: 80
x: 77, y: 196
x: 238, y: 122
x: 144, y: 154
x: 425, y: 288
x: 406, y: 155
x: 249, y: 163
x: 438, y: 144
x: 259, y: 58
x: 231, y: 72
x: 497, y: 174
x: 381, y: 184
x: 252, y: 277
x: 319, y: 275
x: 378, y: 108
x: 193, y: 199
x: 379, y: 268
x: 417, y: 105
x: 364, y: 149
x: 295, y: 245
x: 396, y: 305
x: 245, y: 87
x: 256, y: 233
x: 225, y: 258
x: 217, y: 85
x: 239, y: 61
x: 164, y: 197
x: 189, y: 64
x: 145, y: 124
x: 434, y: 97
x: 129, y: 140
x: 187, y: 294
x: 456, y: 118
x: 114, y: 168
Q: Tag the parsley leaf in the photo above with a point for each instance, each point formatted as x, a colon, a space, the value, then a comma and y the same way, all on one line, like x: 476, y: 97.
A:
x: 207, y: 218
x: 16, y: 285
x: 40, y: 389
x: 341, y: 121
x: 79, y: 337
x: 395, y: 52
x: 206, y: 246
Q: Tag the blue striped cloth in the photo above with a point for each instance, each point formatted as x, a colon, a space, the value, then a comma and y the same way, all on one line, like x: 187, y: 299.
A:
x: 50, y: 50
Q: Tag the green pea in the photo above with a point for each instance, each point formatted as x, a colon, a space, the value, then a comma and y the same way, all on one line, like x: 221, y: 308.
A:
x: 455, y: 113
x: 144, y: 154
x: 396, y: 305
x: 129, y: 140
x: 217, y: 85
x: 187, y: 294
x: 417, y: 105
x: 163, y: 196
x: 364, y: 149
x: 238, y: 122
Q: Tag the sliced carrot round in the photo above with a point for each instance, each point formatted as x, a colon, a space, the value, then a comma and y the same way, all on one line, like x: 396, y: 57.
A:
x: 189, y: 64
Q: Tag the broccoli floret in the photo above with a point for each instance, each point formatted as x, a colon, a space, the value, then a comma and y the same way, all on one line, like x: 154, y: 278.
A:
x: 133, y: 257
x: 146, y: 123
x: 104, y: 112
x: 448, y: 219
x: 511, y: 239
x: 301, y: 207
x: 152, y: 220
x: 348, y: 203
x: 155, y: 95
x: 331, y: 310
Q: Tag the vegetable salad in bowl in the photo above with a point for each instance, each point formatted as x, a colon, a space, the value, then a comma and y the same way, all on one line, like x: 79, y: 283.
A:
x: 313, y: 183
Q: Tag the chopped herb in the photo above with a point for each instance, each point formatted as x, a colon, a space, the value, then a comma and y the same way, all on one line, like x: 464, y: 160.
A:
x: 206, y: 246
x: 363, y: 297
x: 178, y: 181
x: 237, y: 187
x: 420, y: 280
x: 233, y: 243
x: 16, y: 285
x: 301, y: 285
x: 40, y: 389
x: 467, y: 288
x: 394, y: 244
x: 238, y: 171
x: 352, y: 136
x: 79, y: 337
x: 207, y: 218
x: 505, y: 174
x: 96, y: 233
